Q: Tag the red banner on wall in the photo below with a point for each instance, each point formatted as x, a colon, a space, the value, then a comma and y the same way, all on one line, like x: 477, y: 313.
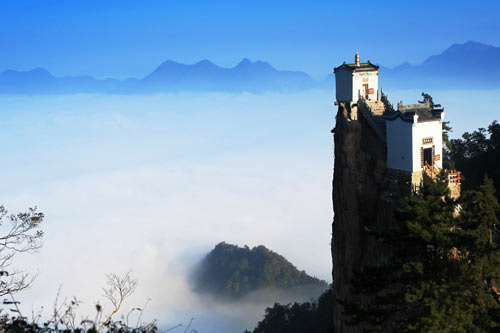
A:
x: 371, y: 91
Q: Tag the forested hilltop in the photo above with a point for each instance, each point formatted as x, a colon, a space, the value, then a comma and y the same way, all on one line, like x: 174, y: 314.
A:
x: 231, y: 272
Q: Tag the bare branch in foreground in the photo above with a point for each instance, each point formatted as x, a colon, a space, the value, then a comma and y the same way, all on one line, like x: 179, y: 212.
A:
x: 118, y: 290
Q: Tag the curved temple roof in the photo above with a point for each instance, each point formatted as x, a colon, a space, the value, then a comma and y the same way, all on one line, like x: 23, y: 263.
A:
x: 362, y: 67
x: 422, y: 110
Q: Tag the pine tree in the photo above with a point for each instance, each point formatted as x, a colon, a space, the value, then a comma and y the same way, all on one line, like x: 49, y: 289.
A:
x: 477, y: 154
x: 442, y: 271
x: 447, y: 147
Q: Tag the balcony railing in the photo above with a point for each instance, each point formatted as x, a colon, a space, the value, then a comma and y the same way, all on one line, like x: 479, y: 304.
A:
x: 454, y: 176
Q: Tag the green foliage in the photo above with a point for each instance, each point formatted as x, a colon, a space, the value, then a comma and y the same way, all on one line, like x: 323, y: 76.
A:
x: 310, y: 317
x: 442, y: 271
x: 231, y: 272
x: 447, y: 147
x: 21, y: 325
x: 477, y: 154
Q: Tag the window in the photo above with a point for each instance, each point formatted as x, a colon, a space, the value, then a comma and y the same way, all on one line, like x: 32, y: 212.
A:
x: 427, y: 140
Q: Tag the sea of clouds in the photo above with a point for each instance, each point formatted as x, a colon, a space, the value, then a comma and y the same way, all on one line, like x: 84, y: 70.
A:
x: 151, y: 183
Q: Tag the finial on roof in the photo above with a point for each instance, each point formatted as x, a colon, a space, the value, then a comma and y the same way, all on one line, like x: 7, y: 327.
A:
x: 356, y: 59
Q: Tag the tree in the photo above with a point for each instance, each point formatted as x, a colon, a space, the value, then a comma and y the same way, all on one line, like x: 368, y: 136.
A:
x: 64, y: 316
x: 311, y: 317
x: 441, y: 274
x: 231, y: 272
x: 19, y: 233
x: 119, y: 288
x: 447, y: 147
x: 477, y: 154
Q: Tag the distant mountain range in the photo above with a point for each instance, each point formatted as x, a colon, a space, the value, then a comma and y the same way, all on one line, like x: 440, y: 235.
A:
x: 170, y: 76
x: 462, y: 66
x: 470, y: 65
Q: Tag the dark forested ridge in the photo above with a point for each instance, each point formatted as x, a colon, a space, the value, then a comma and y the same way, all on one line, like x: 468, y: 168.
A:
x: 231, y: 272
x: 442, y: 271
x: 477, y: 154
x: 311, y: 317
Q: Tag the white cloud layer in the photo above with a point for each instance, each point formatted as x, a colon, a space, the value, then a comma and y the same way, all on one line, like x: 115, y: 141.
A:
x: 151, y: 183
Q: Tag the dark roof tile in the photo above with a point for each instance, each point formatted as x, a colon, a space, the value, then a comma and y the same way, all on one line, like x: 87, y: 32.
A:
x: 364, y: 66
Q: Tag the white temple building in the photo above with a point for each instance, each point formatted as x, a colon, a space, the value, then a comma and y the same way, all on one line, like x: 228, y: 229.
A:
x: 356, y: 80
x: 412, y: 133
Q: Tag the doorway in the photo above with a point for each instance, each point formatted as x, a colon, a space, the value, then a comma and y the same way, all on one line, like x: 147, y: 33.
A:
x: 365, y: 91
x: 428, y: 156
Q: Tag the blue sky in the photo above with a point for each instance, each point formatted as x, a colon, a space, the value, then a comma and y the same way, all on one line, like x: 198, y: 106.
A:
x: 121, y: 38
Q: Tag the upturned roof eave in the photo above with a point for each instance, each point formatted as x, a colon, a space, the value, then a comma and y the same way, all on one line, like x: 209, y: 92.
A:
x: 365, y: 67
x: 409, y: 118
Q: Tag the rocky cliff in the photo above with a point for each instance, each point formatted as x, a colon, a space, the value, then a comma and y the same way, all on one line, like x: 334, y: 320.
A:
x: 364, y: 195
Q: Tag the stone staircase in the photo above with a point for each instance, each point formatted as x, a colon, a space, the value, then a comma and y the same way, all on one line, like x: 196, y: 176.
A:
x: 377, y: 107
x: 378, y: 110
x: 373, y: 112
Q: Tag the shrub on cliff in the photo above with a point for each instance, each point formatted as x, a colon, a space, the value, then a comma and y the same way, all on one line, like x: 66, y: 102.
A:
x: 442, y: 271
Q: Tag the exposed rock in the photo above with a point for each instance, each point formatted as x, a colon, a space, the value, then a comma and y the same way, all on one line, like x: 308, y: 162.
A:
x: 365, y: 194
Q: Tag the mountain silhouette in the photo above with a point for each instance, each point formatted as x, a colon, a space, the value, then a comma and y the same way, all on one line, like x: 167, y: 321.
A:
x: 245, y: 76
x: 470, y: 65
x: 170, y: 76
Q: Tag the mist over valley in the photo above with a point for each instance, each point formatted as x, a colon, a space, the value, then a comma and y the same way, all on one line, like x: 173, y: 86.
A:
x: 152, y: 183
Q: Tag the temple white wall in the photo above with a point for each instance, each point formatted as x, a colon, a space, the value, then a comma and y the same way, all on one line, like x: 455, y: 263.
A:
x: 349, y: 85
x: 405, y: 140
x: 399, y: 145
x: 343, y: 85
x: 427, y: 130
x: 361, y: 78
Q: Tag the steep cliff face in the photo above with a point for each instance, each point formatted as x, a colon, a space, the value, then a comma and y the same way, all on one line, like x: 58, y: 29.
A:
x: 364, y: 195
